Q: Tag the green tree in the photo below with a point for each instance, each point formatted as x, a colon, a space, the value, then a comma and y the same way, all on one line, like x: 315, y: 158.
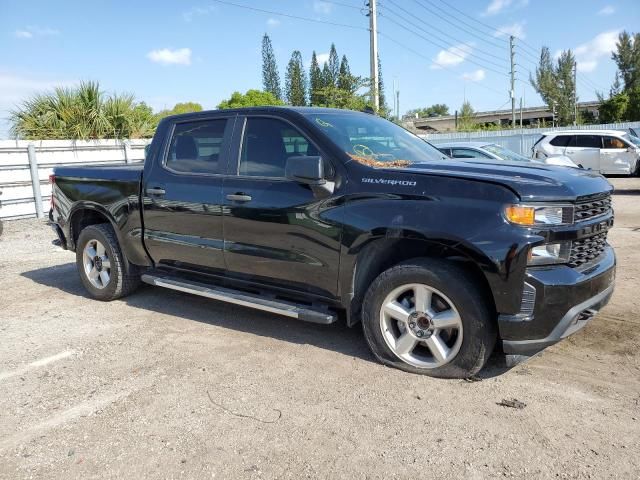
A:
x: 252, y: 98
x: 382, y: 98
x: 435, y: 110
x: 270, y: 76
x: 613, y: 109
x: 82, y: 112
x: 333, y: 67
x: 466, y: 118
x: 346, y: 81
x: 627, y: 58
x: 315, y: 81
x: 296, y: 81
x: 555, y: 83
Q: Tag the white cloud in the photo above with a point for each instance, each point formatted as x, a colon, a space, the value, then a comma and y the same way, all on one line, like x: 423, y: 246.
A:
x: 475, y: 76
x: 452, y: 56
x: 322, y: 7
x: 166, y: 56
x: 34, y: 31
x: 190, y: 14
x: 497, y: 6
x: 322, y: 58
x: 607, y: 10
x: 273, y: 22
x: 516, y: 29
x: 588, y: 54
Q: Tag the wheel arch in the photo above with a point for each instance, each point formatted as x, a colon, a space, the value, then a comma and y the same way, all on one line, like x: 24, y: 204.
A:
x: 85, y: 214
x: 379, y: 253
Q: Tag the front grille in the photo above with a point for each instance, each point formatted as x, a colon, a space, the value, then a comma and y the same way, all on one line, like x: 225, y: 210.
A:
x: 587, y: 249
x: 592, y: 208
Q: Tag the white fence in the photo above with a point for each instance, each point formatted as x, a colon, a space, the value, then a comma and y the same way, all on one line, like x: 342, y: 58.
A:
x: 518, y: 140
x: 18, y: 199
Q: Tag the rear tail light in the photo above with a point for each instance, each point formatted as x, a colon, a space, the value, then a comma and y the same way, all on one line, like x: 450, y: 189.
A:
x: 52, y: 181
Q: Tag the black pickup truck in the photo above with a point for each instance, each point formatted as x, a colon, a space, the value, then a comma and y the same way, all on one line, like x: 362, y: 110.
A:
x: 322, y: 214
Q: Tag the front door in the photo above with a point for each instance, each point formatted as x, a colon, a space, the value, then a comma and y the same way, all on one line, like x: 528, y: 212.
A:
x: 182, y: 195
x: 277, y: 231
x: 584, y: 150
x: 615, y: 156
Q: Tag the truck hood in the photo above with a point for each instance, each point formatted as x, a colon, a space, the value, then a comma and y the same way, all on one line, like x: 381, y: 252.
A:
x: 537, y: 182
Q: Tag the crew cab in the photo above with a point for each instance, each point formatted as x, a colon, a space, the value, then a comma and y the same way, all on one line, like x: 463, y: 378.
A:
x: 322, y: 214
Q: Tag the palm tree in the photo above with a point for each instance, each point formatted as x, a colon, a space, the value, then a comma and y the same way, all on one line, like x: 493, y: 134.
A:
x: 83, y: 112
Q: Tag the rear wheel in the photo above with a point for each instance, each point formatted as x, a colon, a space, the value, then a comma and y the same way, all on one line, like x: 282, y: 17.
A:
x: 101, y: 264
x: 428, y: 316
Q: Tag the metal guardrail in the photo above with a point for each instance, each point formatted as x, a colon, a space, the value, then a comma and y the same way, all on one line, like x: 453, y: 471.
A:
x: 35, y: 167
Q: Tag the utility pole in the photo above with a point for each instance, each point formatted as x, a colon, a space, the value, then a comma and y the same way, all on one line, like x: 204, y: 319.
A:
x: 575, y: 94
x: 521, y: 113
x: 373, y: 47
x: 398, y: 103
x: 513, y: 81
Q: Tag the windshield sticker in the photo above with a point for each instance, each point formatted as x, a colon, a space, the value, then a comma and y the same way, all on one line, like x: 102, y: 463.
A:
x: 322, y: 123
x: 363, y: 150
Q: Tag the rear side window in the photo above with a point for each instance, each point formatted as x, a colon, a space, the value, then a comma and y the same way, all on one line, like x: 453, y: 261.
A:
x: 587, y: 141
x: 613, y: 142
x: 560, y: 140
x: 267, y: 144
x: 196, y: 147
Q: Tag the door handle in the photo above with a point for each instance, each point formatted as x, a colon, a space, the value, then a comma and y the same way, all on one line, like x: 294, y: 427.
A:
x: 156, y: 191
x: 239, y: 197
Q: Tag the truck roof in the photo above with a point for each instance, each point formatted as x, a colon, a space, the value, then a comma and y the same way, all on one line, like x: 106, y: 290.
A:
x: 269, y: 109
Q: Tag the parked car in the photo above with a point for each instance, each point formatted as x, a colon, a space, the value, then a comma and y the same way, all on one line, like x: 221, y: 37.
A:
x: 317, y: 214
x: 490, y: 152
x: 605, y: 151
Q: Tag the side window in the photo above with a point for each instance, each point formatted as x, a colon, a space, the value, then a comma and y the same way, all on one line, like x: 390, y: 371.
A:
x: 196, y: 146
x: 560, y: 141
x: 589, y: 141
x: 613, y: 142
x: 467, y: 153
x: 267, y: 144
x: 446, y: 151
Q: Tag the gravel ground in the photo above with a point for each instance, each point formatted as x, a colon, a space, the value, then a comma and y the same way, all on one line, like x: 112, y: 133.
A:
x: 167, y: 385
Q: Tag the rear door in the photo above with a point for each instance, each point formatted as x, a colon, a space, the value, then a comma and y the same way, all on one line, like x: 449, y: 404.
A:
x: 584, y: 150
x: 182, y: 195
x: 278, y: 231
x: 615, y: 156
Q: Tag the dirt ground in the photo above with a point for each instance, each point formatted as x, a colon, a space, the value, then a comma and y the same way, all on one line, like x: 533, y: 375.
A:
x: 168, y: 385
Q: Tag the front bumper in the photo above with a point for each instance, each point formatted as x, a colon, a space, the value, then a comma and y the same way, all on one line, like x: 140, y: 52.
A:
x: 565, y: 300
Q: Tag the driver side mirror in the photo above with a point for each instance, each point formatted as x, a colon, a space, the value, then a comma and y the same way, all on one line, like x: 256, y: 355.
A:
x: 631, y: 149
x: 306, y: 170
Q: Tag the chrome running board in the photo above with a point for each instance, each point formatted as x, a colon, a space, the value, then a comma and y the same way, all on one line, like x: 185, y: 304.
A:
x: 238, y: 297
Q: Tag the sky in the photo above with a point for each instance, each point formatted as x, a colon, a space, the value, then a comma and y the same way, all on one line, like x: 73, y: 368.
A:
x: 437, y: 51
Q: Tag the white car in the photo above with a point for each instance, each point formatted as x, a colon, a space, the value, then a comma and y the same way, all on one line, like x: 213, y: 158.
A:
x: 486, y: 151
x: 605, y: 151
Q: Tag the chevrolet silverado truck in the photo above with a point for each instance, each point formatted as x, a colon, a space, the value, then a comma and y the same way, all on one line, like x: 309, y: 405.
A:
x: 321, y: 214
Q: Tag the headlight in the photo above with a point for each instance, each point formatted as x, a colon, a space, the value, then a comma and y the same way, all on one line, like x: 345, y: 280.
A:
x: 549, y: 254
x: 539, y: 214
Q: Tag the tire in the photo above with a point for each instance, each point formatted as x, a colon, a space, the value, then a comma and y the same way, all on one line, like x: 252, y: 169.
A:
x: 102, y: 238
x: 462, y: 336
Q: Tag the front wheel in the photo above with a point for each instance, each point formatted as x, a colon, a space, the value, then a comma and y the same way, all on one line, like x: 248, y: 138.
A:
x: 429, y: 316
x: 101, y: 264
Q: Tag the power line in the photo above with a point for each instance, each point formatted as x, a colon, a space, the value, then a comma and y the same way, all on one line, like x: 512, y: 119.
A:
x: 480, y: 37
x: 287, y: 15
x: 448, y: 48
x: 415, y: 52
x: 438, y: 30
x: 341, y: 4
x: 486, y: 25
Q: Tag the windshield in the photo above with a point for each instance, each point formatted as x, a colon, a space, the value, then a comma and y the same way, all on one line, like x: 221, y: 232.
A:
x: 632, y: 139
x: 373, y: 141
x: 505, y: 153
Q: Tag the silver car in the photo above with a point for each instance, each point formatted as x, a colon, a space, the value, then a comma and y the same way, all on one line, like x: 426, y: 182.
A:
x: 486, y: 151
x: 605, y: 151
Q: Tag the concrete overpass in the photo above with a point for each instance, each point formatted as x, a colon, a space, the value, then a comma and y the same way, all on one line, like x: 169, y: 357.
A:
x: 531, y: 116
